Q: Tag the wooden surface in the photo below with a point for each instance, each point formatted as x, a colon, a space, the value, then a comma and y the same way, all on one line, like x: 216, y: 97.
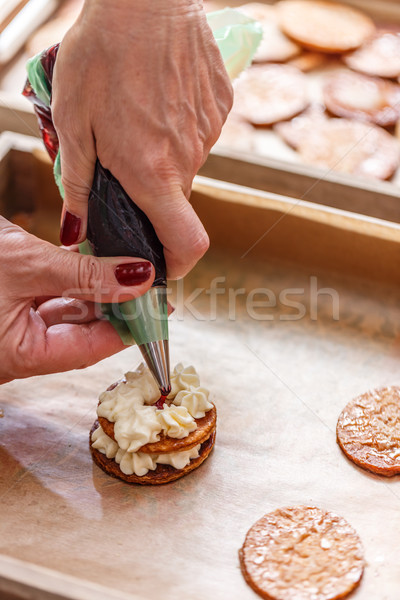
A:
x: 259, y: 224
x: 373, y: 198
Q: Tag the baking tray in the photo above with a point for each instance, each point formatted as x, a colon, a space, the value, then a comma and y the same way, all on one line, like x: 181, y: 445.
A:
x: 277, y: 170
x: 18, y: 20
x: 272, y: 165
x: 326, y: 328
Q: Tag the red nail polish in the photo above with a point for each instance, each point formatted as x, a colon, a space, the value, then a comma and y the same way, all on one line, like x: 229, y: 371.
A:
x: 70, y: 229
x: 133, y: 273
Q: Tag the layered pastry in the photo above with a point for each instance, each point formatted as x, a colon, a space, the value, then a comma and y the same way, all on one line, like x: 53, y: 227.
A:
x: 143, y: 439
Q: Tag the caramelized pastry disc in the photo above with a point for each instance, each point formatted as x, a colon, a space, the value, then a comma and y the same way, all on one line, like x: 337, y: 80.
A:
x: 352, y: 95
x: 351, y: 147
x: 266, y: 94
x: 237, y: 134
x: 162, y: 474
x: 166, y: 445
x: 379, y: 55
x: 275, y: 46
x: 368, y: 431
x: 296, y: 129
x: 308, y: 61
x: 325, y: 26
x: 302, y: 553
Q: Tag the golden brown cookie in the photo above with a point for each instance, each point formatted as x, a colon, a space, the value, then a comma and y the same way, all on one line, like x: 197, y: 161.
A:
x: 368, y: 431
x: 378, y: 56
x: 162, y: 474
x: 266, y: 94
x: 327, y: 26
x: 275, y: 46
x: 237, y: 134
x: 166, y: 444
x: 294, y: 131
x: 351, y: 146
x: 302, y: 553
x: 352, y: 95
x: 308, y: 61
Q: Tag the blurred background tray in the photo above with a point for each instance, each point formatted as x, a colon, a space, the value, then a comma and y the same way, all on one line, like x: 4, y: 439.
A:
x: 273, y: 166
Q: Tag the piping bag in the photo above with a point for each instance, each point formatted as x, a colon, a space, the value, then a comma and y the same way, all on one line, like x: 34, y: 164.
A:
x: 116, y: 226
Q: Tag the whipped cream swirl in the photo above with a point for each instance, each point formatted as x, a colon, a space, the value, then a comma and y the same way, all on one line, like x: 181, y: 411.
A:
x: 137, y: 421
x: 139, y: 463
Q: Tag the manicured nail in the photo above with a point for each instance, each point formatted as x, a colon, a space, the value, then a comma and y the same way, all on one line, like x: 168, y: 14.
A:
x: 70, y: 229
x: 133, y: 273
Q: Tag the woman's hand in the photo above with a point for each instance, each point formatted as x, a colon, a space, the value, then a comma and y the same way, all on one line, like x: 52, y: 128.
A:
x: 48, y: 321
x: 142, y: 85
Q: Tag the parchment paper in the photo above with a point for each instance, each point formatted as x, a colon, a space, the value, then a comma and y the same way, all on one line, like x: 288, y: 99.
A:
x: 279, y: 386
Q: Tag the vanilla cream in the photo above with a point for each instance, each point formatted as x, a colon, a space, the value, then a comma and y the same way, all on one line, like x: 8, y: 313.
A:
x: 140, y: 463
x: 137, y: 421
x: 176, y: 421
x: 183, y: 378
x: 194, y: 400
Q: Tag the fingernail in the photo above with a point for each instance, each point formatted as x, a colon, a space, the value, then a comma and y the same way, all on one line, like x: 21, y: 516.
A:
x: 133, y: 273
x: 70, y: 229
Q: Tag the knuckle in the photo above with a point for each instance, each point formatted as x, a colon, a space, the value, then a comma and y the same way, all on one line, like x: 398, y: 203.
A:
x: 90, y: 274
x: 76, y: 193
x: 200, y: 245
x: 19, y: 252
x: 27, y: 359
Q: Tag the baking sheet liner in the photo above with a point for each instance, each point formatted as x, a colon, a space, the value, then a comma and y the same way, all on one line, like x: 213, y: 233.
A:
x: 279, y: 386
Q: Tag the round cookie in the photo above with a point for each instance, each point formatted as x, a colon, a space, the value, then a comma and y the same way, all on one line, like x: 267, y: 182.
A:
x: 353, y: 95
x: 237, y: 134
x: 162, y: 474
x: 293, y: 131
x: 302, y: 553
x: 351, y: 146
x: 308, y: 61
x: 275, y: 46
x: 326, y: 26
x: 266, y: 94
x: 368, y: 431
x: 378, y: 56
x: 166, y: 444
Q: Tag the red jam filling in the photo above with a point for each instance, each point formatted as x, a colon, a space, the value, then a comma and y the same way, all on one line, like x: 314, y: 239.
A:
x: 160, y: 403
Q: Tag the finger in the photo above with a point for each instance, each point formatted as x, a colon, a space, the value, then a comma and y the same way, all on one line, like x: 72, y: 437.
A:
x: 39, y: 300
x: 55, y: 272
x: 72, y: 248
x: 177, y: 226
x: 72, y: 310
x: 68, y: 310
x: 77, y: 168
x: 187, y: 241
x: 76, y: 346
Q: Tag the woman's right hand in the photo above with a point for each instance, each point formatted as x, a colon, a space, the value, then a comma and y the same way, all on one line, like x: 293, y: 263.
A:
x: 142, y: 86
x: 48, y: 318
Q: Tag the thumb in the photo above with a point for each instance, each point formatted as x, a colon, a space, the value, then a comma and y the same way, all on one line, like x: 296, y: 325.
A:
x: 57, y: 272
x: 78, y: 159
x: 179, y: 229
